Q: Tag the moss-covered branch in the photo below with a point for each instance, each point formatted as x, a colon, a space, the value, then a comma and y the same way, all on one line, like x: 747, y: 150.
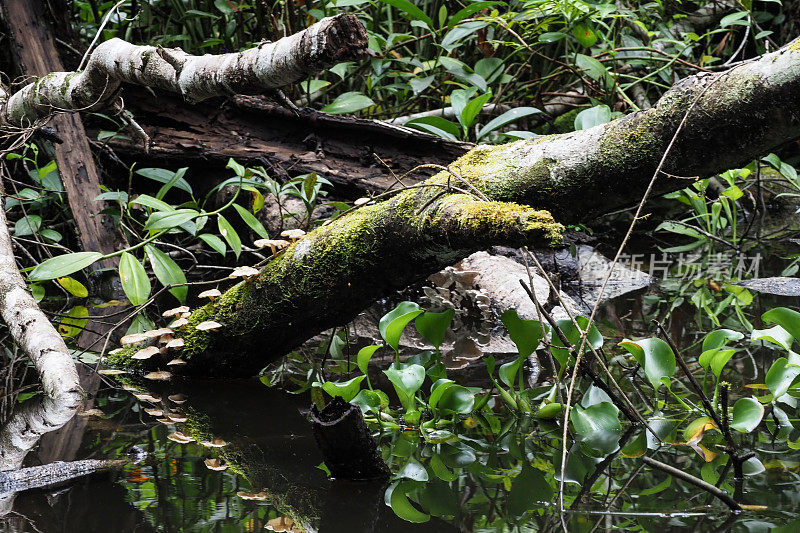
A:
x: 326, y: 278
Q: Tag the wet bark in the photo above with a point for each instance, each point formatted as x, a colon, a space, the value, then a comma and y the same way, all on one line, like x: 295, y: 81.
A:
x: 327, y: 277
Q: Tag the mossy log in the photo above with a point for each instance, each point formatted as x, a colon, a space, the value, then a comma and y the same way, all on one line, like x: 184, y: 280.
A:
x: 483, y: 199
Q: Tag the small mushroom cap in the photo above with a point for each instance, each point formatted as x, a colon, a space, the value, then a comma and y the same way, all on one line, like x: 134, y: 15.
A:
x: 176, y: 362
x: 180, y: 437
x: 115, y: 351
x: 145, y: 353
x: 158, y: 375
x: 177, y: 417
x: 156, y: 333
x: 273, y: 244
x: 147, y: 397
x: 154, y: 412
x: 243, y: 272
x: 215, y: 464
x: 216, y: 443
x: 293, y: 234
x: 176, y: 311
x: 165, y: 421
x: 208, y: 325
x: 210, y: 293
x: 176, y: 343
x: 252, y: 495
x: 111, y: 371
x: 362, y: 201
x: 178, y: 398
x: 178, y: 323
x: 133, y: 338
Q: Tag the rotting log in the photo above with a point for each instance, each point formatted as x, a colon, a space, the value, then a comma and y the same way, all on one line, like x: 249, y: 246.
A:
x: 326, y: 278
x: 52, y: 473
x: 36, y: 55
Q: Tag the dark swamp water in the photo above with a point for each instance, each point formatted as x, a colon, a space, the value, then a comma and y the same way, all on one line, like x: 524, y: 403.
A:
x: 240, y: 456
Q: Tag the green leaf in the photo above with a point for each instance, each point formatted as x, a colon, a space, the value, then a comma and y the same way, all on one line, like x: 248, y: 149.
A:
x: 72, y: 324
x: 525, y: 334
x: 551, y: 37
x: 163, y: 175
x: 597, y: 427
x: 349, y: 102
x: 747, y: 414
x: 655, y: 356
x: 74, y: 287
x: 407, y: 379
x: 347, y: 390
x: 413, y: 470
x: 436, y: 125
x: 776, y: 335
x: 27, y: 225
x: 153, y: 203
x: 167, y: 272
x: 367, y: 401
x: 593, y: 338
x: 592, y: 67
x: 655, y: 489
x: 471, y: 110
x: 584, y: 35
x: 780, y: 376
x: 398, y: 501
x: 162, y: 220
x: 134, y: 279
x: 468, y: 11
x: 786, y: 318
x: 37, y: 291
x: 63, y: 265
x: 178, y: 176
x: 230, y: 235
x: 509, y: 116
x: 456, y: 399
x: 508, y: 371
x: 214, y: 242
x: 393, y: 323
x: 251, y: 221
x: 594, y: 116
x: 433, y: 326
x: 527, y: 488
x: 716, y: 359
x: 440, y: 469
x: 364, y: 355
x: 720, y: 337
x: 411, y: 11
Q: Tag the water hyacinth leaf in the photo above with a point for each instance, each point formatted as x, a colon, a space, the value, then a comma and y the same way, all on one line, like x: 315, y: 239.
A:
x: 557, y: 348
x: 63, y: 265
x: 413, y: 470
x: 508, y: 371
x: 635, y: 448
x: 694, y: 431
x: 167, y: 272
x: 364, y: 356
x: 788, y: 319
x: 400, y: 504
x: 406, y: 379
x: 348, y: 102
x: 775, y: 335
x: 230, y: 235
x: 367, y: 401
x: 73, y: 286
x: 134, y: 279
x: 747, y: 414
x: 347, y: 389
x: 437, y: 390
x: 440, y: 470
x: 439, y: 499
x: 457, y: 399
x: 655, y: 356
x: 74, y: 321
x: 716, y: 359
x: 598, y: 428
x: 527, y: 488
x: 216, y: 244
x: 753, y: 467
x: 525, y: 334
x: 251, y: 221
x: 720, y: 337
x: 393, y: 323
x: 780, y: 376
x: 433, y: 326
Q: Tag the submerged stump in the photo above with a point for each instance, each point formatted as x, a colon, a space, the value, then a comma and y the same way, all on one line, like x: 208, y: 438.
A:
x: 346, y: 444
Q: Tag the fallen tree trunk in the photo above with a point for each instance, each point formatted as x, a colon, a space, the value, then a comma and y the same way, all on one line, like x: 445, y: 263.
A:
x: 330, y: 275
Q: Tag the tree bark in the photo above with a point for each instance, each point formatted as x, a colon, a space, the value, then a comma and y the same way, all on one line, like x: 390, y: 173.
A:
x: 327, y: 277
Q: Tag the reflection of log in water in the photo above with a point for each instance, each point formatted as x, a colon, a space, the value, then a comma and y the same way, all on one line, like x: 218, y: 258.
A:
x: 270, y: 444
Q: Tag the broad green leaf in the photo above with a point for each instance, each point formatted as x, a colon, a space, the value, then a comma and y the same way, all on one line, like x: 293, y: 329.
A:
x: 527, y: 488
x: 597, y: 427
x: 776, y: 335
x: 468, y: 11
x: 37, y: 291
x: 411, y: 11
x: 437, y: 125
x: 214, y: 242
x: 655, y: 489
x: 251, y: 221
x: 153, y: 203
x: 508, y: 117
x: 398, y: 500
x: 747, y: 414
x: 720, y: 337
x: 439, y: 499
x: 471, y: 110
x: 593, y: 338
x: 440, y: 469
x: 594, y: 116
x: 433, y: 326
x: 347, y: 390
x: 694, y: 431
x: 716, y: 359
x: 525, y: 334
x: 636, y: 447
x: 162, y: 220
x: 393, y: 323
x: 780, y: 376
x: 584, y: 35
x: 456, y: 399
x: 349, y: 102
x: 363, y: 357
x: 167, y: 272
x: 786, y: 318
x: 407, y: 379
x: 163, y: 175
x: 134, y: 279
x: 73, y: 286
x: 655, y: 356
x: 367, y: 401
x: 230, y: 235
x: 63, y: 265
x: 413, y: 470
x: 72, y: 324
x: 27, y: 225
x: 508, y: 371
x: 551, y: 37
